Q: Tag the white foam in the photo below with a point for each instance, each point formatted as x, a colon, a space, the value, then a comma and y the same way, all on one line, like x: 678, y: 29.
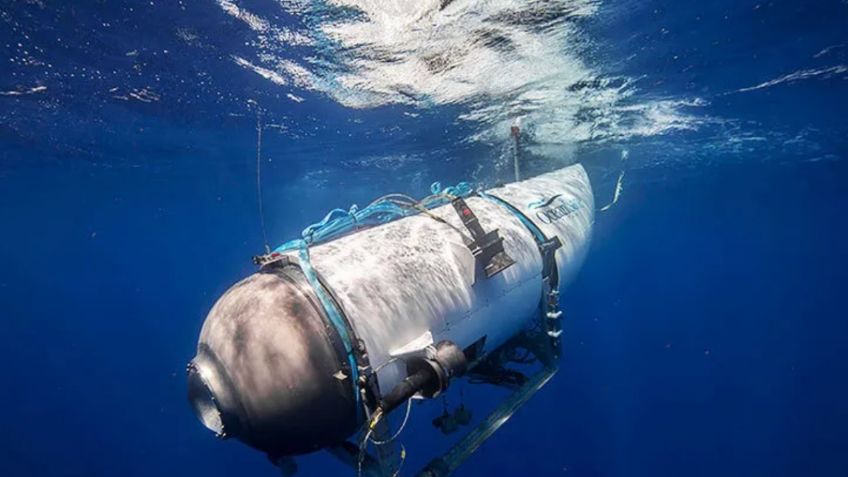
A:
x: 270, y: 35
x: 270, y: 75
x: 828, y: 50
x: 499, y: 59
x: 33, y: 90
x: 798, y: 76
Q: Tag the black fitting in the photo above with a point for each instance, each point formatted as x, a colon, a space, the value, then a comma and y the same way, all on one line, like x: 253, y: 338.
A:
x: 407, y: 388
x: 428, y: 375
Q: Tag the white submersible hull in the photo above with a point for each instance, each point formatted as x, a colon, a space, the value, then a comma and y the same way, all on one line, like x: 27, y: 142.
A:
x: 274, y: 369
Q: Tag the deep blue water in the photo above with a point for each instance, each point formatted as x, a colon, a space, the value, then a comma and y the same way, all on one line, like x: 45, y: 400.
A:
x: 705, y: 334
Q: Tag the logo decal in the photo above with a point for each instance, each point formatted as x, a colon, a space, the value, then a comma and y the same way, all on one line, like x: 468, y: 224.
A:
x: 557, y: 208
x: 542, y: 202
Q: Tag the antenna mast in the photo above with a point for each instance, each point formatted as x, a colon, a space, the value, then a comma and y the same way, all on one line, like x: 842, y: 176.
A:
x: 259, y: 175
x: 515, y: 131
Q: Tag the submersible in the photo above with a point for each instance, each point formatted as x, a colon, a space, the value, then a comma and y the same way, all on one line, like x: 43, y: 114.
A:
x: 327, y: 336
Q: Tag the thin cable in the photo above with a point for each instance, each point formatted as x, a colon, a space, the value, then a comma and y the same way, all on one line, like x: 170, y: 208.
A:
x: 378, y: 368
x: 392, y: 198
x: 400, y: 429
x: 435, y: 217
x: 363, y: 443
x: 259, y: 178
x: 362, y: 446
x: 402, y: 460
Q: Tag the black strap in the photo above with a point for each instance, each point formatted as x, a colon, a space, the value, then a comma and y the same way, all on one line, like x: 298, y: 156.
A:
x: 549, y: 306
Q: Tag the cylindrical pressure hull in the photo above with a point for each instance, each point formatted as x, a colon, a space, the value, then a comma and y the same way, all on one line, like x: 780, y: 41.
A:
x: 398, y: 282
x: 269, y: 368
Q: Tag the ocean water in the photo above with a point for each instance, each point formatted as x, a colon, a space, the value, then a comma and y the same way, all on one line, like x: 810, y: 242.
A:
x: 705, y: 335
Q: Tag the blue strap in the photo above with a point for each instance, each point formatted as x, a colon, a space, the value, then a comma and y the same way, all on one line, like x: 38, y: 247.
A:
x: 335, y: 315
x: 339, y: 222
x: 538, y: 235
x: 463, y: 189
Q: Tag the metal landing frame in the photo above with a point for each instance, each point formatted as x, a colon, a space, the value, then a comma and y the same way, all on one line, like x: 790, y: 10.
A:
x: 545, y: 351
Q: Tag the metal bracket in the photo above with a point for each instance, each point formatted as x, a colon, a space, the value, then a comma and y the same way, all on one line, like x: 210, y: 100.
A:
x: 487, y: 247
x: 271, y: 258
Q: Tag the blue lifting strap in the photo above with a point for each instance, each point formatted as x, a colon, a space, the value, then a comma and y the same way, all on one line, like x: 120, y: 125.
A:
x: 538, y: 235
x: 331, y: 309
